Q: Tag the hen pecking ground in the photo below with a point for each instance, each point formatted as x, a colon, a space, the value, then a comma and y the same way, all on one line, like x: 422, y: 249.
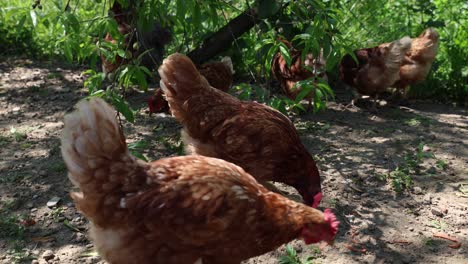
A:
x: 395, y: 178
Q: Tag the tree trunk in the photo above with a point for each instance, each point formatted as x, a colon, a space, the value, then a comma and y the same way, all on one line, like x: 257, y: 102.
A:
x: 221, y: 40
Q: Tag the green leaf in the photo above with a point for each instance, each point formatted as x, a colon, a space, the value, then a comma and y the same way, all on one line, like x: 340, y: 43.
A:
x: 136, y: 147
x: 122, y: 106
x: 72, y: 20
x: 306, y: 89
x: 138, y: 155
x: 269, y: 58
x: 141, y: 144
x: 181, y: 9
x: 285, y: 53
x: 196, y: 14
x: 141, y: 79
x: 21, y: 23
x: 67, y: 49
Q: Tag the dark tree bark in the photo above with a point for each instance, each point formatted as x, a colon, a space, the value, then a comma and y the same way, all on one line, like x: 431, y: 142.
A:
x: 221, y: 40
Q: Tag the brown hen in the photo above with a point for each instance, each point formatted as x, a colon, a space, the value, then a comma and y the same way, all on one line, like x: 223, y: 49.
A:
x: 290, y: 76
x: 256, y: 137
x: 418, y: 60
x: 175, y: 210
x: 149, y: 44
x: 376, y: 69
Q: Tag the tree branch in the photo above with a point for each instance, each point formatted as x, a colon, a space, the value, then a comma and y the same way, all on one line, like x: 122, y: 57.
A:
x: 221, y: 40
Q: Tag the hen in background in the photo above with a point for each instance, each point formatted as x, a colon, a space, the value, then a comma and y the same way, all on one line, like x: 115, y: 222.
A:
x: 376, y: 68
x: 123, y: 26
x: 418, y: 60
x: 137, y: 40
x: 219, y: 74
x: 289, y: 76
x: 256, y: 137
x: 175, y: 210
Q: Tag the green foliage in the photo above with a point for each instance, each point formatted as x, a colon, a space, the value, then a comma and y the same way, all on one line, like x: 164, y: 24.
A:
x: 10, y: 227
x: 74, y: 30
x: 438, y: 224
x: 400, y: 178
x: 136, y: 148
x: 291, y: 257
x: 49, y: 30
x: 18, y: 136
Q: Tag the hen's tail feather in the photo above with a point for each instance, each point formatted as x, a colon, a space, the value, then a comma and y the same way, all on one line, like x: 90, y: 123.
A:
x: 180, y: 78
x: 97, y: 157
x: 397, y: 51
x: 228, y: 62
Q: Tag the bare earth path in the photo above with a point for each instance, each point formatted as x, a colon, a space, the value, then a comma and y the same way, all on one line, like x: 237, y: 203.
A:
x: 363, y: 157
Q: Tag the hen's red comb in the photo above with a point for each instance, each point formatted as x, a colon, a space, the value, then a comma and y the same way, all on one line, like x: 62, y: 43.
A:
x: 331, y: 218
x: 317, y: 199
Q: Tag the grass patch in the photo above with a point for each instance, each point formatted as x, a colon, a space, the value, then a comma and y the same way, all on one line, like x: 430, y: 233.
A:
x: 4, y: 141
x: 428, y: 242
x: 17, y: 135
x: 418, y: 121
x: 401, y: 177
x: 14, y: 177
x: 307, y: 126
x: 137, y: 147
x: 441, y: 164
x: 438, y: 224
x: 58, y: 166
x: 25, y: 145
x: 54, y: 75
x: 174, y: 145
x: 12, y: 231
x: 291, y: 256
x: 20, y: 255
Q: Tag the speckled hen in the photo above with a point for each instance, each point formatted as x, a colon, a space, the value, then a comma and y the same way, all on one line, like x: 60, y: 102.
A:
x: 175, y: 210
x: 254, y: 136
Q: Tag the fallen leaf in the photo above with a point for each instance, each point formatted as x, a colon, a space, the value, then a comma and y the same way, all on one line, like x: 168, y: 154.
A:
x: 447, y: 237
x: 28, y: 222
x: 43, y: 239
x: 358, y: 250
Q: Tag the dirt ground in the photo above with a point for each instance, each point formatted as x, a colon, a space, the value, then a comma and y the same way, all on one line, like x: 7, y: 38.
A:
x: 363, y: 158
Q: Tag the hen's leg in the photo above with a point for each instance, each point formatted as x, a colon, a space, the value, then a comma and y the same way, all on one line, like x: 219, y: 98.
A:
x: 373, y: 108
x: 356, y: 97
x: 310, y: 104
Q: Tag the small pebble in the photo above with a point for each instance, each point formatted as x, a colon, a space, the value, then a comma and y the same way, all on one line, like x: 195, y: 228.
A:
x: 437, y: 212
x: 417, y: 190
x: 79, y: 237
x: 53, y: 202
x: 48, y: 255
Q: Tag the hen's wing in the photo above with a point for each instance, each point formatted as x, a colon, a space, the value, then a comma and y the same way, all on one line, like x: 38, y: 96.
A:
x: 218, y: 75
x: 198, y: 200
x: 258, y: 138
